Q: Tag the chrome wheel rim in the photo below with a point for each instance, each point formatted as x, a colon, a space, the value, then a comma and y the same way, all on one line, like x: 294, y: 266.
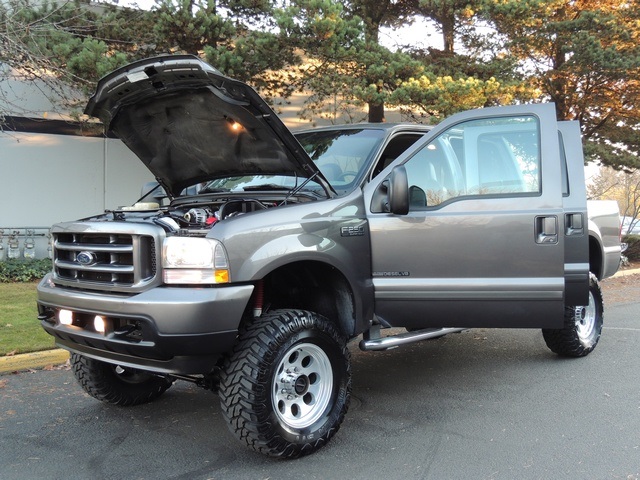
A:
x: 302, y: 386
x: 586, y: 319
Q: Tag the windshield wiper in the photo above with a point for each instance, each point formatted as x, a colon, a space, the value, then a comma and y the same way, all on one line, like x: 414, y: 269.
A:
x: 265, y: 186
x: 214, y: 190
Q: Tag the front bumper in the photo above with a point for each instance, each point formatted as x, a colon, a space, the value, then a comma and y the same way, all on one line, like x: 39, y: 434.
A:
x: 176, y: 330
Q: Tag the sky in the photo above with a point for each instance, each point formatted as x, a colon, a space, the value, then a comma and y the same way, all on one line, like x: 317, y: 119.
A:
x: 420, y: 34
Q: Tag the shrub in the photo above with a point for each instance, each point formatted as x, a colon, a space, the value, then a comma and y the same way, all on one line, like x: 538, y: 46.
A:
x: 633, y: 249
x: 22, y: 270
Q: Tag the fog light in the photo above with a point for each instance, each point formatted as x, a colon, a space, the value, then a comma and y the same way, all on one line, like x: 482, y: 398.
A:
x: 99, y: 324
x: 65, y: 317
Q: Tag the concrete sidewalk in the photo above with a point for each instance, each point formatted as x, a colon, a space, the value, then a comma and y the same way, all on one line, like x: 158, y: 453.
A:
x: 58, y: 356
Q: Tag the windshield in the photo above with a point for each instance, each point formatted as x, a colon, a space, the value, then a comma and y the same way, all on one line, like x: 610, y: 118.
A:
x: 339, y: 154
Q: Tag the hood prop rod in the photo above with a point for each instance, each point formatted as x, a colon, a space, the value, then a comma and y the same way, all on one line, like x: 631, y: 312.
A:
x: 300, y: 187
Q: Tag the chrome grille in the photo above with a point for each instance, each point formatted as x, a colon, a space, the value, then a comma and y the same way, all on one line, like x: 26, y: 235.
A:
x: 107, y: 259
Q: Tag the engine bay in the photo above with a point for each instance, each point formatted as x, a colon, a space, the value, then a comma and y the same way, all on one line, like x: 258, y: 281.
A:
x: 205, y: 216
x: 197, y: 215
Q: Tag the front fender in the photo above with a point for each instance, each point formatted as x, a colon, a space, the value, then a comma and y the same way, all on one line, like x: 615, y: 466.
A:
x: 346, y: 256
x: 333, y: 232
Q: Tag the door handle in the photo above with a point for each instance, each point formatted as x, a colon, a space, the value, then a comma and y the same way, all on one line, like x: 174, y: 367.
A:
x: 546, y: 230
x: 574, y: 224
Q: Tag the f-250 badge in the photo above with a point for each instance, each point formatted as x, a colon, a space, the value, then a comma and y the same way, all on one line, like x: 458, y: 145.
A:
x: 357, y: 231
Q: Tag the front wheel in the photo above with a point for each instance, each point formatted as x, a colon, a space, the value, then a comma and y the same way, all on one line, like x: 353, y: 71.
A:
x: 117, y: 385
x: 582, y: 326
x: 286, y: 386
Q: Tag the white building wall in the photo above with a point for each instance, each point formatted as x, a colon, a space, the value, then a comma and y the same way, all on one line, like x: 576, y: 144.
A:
x: 124, y: 175
x: 46, y: 179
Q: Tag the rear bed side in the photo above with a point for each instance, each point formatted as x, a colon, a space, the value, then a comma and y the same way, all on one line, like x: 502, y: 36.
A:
x: 604, y: 237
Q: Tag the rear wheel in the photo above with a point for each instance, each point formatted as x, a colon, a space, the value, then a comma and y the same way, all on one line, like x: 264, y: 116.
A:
x: 285, y: 388
x: 115, y: 384
x: 582, y: 326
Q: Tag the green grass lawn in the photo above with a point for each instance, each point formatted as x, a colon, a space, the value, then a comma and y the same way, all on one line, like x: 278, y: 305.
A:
x: 20, y: 330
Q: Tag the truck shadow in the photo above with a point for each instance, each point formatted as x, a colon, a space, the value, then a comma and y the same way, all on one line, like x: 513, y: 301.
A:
x: 408, y: 392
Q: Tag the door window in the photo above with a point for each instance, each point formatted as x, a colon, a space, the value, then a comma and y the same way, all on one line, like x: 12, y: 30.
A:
x: 488, y: 157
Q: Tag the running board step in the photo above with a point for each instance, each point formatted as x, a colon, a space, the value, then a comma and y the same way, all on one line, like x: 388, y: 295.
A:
x: 393, y: 341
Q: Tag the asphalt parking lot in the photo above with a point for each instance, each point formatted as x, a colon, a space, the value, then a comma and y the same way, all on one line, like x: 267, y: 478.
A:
x: 483, y: 404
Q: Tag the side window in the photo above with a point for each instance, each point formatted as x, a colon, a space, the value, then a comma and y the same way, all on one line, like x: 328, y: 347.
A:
x: 396, y: 147
x: 434, y: 175
x: 492, y: 157
x: 563, y: 167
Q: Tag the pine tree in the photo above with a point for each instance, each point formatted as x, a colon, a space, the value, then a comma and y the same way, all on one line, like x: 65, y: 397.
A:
x: 585, y: 57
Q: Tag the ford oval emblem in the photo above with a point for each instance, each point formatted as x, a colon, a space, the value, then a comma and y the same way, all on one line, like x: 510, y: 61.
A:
x: 86, y: 258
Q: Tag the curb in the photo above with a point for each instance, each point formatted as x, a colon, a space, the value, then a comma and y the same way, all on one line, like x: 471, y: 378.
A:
x: 26, y: 361
x: 624, y: 273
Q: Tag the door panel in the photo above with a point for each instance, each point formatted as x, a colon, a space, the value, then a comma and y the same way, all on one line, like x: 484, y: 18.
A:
x: 468, y: 253
x: 576, y: 231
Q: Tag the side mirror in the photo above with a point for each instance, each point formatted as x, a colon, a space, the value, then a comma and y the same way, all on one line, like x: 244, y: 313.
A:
x: 398, y: 193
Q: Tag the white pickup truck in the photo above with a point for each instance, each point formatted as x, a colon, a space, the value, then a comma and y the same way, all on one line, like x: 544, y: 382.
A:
x: 604, y: 236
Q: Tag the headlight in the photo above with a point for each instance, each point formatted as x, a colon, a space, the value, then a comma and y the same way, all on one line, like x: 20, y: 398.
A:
x: 194, y: 261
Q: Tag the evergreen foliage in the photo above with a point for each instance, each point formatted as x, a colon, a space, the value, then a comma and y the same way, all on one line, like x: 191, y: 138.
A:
x: 582, y: 55
x: 633, y: 247
x: 22, y: 270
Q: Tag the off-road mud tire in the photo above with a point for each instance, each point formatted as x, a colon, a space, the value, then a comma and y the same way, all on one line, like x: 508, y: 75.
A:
x: 285, y: 387
x: 130, y: 387
x: 582, y: 327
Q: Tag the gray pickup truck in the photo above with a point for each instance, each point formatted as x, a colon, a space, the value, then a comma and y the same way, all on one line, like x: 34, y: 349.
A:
x: 272, y: 251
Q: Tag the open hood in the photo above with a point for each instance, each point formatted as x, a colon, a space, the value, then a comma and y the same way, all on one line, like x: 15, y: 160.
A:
x: 189, y: 123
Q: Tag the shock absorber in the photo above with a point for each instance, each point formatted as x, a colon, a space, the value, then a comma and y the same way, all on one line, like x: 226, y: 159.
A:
x: 258, y: 300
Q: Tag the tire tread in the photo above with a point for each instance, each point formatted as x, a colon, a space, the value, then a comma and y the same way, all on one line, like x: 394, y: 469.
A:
x: 565, y: 341
x: 99, y: 381
x: 241, y: 381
